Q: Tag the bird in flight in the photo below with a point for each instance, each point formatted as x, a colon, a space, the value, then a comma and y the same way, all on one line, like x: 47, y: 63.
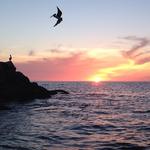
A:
x: 58, y: 16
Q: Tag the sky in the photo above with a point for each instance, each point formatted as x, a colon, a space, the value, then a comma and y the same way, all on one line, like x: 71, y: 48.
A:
x: 98, y: 40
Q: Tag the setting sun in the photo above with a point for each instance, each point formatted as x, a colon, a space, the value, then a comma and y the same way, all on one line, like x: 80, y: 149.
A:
x: 96, y: 79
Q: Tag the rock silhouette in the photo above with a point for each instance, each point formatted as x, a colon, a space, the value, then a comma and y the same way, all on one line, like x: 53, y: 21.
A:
x: 14, y: 85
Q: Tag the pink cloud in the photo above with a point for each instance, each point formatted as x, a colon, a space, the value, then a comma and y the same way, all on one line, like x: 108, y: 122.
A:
x: 136, y: 53
x: 31, y: 53
x: 143, y: 60
x: 75, y: 67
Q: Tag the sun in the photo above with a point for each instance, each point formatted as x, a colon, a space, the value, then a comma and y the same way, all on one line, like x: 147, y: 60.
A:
x: 96, y: 79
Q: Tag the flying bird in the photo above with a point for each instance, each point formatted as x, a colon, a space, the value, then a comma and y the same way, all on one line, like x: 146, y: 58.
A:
x: 58, y: 16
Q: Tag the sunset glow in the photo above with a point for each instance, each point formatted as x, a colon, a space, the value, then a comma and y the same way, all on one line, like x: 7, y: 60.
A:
x: 115, y: 47
x: 96, y: 79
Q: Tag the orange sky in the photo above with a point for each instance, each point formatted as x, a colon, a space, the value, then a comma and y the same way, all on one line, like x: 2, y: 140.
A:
x: 89, y: 64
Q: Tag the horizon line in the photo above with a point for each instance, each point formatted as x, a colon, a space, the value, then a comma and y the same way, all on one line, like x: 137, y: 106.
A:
x: 81, y: 81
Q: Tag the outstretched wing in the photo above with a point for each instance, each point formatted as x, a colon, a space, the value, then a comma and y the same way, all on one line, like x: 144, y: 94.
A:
x: 59, y: 12
x: 52, y: 15
x: 58, y: 22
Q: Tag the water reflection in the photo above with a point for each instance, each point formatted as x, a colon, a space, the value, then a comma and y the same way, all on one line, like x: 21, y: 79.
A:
x: 105, y: 116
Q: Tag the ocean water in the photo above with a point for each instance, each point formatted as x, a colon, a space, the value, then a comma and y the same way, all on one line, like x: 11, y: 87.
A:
x: 94, y: 116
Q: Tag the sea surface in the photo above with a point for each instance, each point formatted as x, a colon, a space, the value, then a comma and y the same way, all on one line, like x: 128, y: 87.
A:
x: 94, y: 116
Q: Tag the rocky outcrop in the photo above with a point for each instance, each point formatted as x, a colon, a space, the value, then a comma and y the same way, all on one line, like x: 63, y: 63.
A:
x: 14, y: 85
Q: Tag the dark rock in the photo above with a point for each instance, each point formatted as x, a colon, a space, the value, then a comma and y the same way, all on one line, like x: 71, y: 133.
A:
x: 53, y: 92
x: 15, y: 85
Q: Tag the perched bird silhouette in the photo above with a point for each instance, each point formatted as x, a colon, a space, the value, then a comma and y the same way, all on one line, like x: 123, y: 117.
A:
x: 10, y: 57
x: 58, y: 16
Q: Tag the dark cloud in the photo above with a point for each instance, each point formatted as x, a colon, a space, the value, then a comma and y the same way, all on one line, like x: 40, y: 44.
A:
x: 31, y: 53
x: 142, y: 54
x: 57, y: 49
x: 143, y: 60
x: 67, y: 52
x: 136, y: 53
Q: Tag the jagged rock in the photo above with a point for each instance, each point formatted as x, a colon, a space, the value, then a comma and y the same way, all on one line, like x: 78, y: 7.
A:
x: 15, y: 85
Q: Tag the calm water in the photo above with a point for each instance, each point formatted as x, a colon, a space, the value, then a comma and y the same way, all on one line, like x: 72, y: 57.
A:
x: 105, y: 116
